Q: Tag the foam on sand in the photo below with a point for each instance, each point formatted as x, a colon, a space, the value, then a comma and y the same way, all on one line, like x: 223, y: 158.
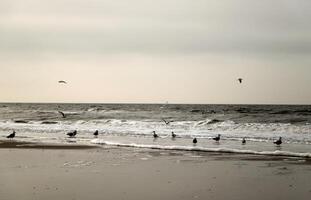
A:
x: 203, y: 149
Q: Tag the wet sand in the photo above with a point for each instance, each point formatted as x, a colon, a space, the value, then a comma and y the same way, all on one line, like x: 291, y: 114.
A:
x: 82, y: 172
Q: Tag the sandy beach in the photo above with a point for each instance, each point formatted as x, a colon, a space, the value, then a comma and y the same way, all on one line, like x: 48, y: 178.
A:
x: 84, y: 172
x: 155, y: 100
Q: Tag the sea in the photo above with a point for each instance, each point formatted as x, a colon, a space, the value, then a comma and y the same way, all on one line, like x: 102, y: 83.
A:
x: 131, y: 125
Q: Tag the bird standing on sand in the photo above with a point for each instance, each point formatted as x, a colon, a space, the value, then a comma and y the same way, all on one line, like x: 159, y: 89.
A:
x: 12, y: 135
x: 243, y: 141
x: 155, y: 135
x: 217, y: 138
x: 95, y: 133
x: 278, y: 142
x: 240, y: 80
x: 63, y: 114
x: 72, y: 134
x: 173, y: 135
x: 194, y: 141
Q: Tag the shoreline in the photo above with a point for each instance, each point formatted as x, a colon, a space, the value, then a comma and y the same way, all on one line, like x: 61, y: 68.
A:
x: 13, y: 144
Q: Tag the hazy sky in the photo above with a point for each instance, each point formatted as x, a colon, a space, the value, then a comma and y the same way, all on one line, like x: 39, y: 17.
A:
x: 146, y: 51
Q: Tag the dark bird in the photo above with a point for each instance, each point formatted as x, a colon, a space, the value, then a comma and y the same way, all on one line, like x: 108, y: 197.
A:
x: 63, y: 114
x: 72, y: 134
x: 173, y: 135
x: 243, y: 141
x: 63, y: 82
x: 240, y: 80
x: 217, y: 138
x: 278, y: 142
x: 95, y: 133
x: 194, y: 141
x: 12, y: 135
x: 155, y: 135
x: 166, y: 122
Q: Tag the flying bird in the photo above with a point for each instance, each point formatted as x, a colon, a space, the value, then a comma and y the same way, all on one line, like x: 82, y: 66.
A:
x: 166, y: 122
x: 62, y: 81
x: 194, y: 141
x: 217, y: 138
x: 63, y: 114
x: 12, y: 135
x: 278, y: 142
x: 240, y: 80
x: 72, y: 134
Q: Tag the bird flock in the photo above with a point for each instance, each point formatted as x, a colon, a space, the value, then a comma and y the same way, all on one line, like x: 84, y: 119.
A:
x: 217, y: 138
x: 73, y: 133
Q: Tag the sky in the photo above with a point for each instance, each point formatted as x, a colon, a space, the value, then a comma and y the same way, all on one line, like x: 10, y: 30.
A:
x: 145, y: 51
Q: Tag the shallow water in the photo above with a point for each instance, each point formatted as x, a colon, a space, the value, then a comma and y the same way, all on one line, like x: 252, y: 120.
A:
x: 132, y: 125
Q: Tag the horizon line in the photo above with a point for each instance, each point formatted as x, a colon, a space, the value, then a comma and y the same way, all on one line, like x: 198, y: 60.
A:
x: 157, y: 103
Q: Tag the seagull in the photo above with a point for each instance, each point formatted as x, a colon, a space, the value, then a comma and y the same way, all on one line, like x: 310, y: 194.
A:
x: 166, y: 122
x: 173, y: 135
x: 95, y: 133
x: 72, y: 134
x: 240, y: 80
x: 217, y: 138
x: 12, y: 135
x: 278, y: 142
x: 155, y: 135
x: 63, y: 114
x: 194, y: 141
x: 64, y: 82
x: 243, y: 141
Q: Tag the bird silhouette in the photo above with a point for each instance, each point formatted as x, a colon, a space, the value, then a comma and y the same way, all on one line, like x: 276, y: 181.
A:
x: 217, y: 138
x: 194, y: 141
x: 173, y: 135
x: 62, y: 81
x: 155, y: 135
x: 63, y: 114
x: 240, y: 80
x: 12, y: 135
x: 95, y: 133
x: 278, y: 142
x: 243, y: 141
x: 72, y: 134
x: 166, y: 122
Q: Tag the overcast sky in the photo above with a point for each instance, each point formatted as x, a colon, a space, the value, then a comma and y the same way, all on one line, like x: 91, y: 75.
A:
x: 146, y: 51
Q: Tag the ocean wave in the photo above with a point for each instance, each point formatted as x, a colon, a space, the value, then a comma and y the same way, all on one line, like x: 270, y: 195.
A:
x: 21, y: 121
x: 298, y: 112
x: 204, y: 149
x: 49, y: 122
x: 208, y: 121
x: 204, y: 129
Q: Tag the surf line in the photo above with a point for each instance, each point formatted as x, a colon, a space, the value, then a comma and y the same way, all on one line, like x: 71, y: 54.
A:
x: 204, y: 149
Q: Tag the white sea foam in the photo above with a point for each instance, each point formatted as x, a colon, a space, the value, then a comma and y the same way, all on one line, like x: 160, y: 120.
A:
x: 228, y: 129
x: 203, y: 149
